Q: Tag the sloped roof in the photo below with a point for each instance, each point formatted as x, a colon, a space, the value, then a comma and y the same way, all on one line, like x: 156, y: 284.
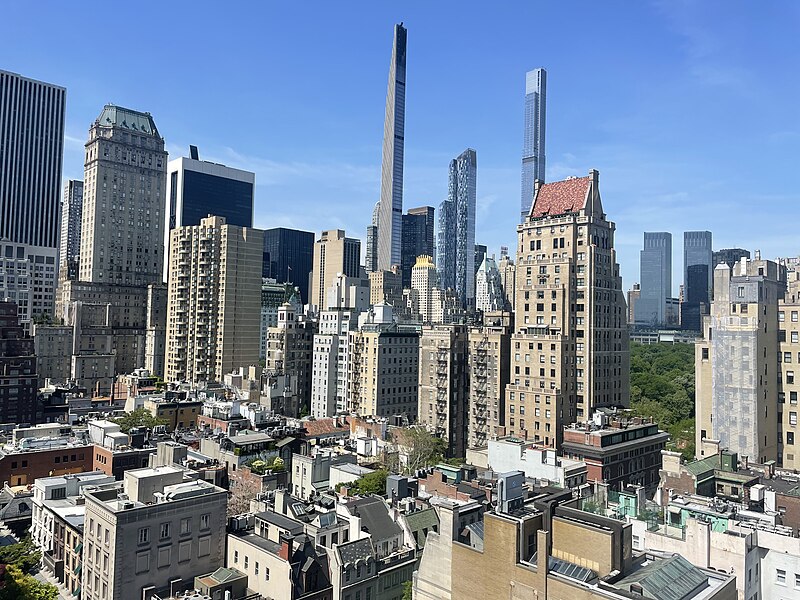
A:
x: 420, y: 520
x: 696, y: 467
x: 324, y: 427
x: 127, y: 118
x: 357, y: 550
x: 673, y: 578
x: 375, y: 518
x: 561, y: 197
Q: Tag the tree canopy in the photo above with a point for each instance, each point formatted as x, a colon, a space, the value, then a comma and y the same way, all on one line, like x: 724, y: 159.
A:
x: 420, y: 447
x: 141, y: 417
x: 17, y: 584
x: 366, y: 485
x: 662, y: 387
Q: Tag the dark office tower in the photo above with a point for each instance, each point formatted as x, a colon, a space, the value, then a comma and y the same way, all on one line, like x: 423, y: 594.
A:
x: 455, y: 258
x: 533, y: 142
x: 371, y: 255
x: 656, y: 279
x: 288, y: 257
x: 390, y: 220
x: 729, y: 256
x: 697, y: 278
x: 418, y: 238
x: 18, y: 380
x: 31, y: 150
x: 70, y: 243
x: 480, y: 254
x: 197, y: 188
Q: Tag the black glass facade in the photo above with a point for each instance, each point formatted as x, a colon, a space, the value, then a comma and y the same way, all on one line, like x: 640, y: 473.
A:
x: 417, y: 239
x: 205, y: 195
x: 289, y: 257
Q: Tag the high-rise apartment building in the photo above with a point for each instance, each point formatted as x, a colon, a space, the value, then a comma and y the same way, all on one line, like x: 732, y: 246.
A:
x: 214, y: 303
x: 533, y: 155
x: 390, y: 222
x: 124, y: 187
x: 489, y: 295
x: 18, y: 380
x: 508, y: 276
x: 197, y: 189
x: 334, y: 253
x: 729, y: 256
x: 289, y: 357
x: 456, y: 237
x: 427, y: 298
x: 28, y: 278
x: 739, y: 367
x: 155, y: 342
x: 383, y: 368
x: 152, y: 532
x: 31, y: 152
x: 289, y: 257
x: 419, y: 238
x: 570, y: 350
x: 488, y: 370
x: 633, y: 298
x: 481, y: 250
x: 385, y: 287
x: 698, y: 284
x: 655, y: 267
x: 273, y: 295
x: 70, y: 244
x: 444, y: 384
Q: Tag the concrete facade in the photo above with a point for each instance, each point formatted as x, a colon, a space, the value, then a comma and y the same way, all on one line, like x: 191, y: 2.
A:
x: 214, y: 308
x: 334, y: 253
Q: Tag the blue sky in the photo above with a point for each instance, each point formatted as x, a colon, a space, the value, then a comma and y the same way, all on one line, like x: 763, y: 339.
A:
x: 689, y: 110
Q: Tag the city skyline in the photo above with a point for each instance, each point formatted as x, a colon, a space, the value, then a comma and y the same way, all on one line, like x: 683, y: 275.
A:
x: 658, y: 158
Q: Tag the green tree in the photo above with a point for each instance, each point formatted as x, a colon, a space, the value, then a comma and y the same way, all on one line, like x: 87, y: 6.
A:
x: 420, y: 446
x: 407, y: 590
x: 371, y: 483
x: 24, y: 554
x: 141, y: 417
x: 19, y: 586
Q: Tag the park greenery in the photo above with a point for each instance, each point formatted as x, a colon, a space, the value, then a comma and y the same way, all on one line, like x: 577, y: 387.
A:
x: 20, y: 560
x: 141, y: 417
x: 662, y: 387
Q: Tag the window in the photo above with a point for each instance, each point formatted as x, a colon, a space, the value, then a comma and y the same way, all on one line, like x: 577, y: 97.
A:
x: 164, y: 531
x: 144, y: 535
x: 797, y: 580
x: 790, y: 438
x: 246, y: 562
x: 235, y: 557
x: 266, y: 573
x: 205, y: 521
x: 780, y: 576
x: 789, y: 376
x: 256, y: 567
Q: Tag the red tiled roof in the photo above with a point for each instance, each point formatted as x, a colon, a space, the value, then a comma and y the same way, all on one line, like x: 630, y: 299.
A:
x: 561, y: 197
x: 327, y: 426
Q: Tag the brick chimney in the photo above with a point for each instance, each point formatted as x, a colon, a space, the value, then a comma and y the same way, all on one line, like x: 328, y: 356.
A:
x: 286, y: 548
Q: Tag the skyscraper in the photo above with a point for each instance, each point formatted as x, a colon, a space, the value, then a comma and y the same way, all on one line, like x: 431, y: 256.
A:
x: 390, y: 222
x: 729, y: 256
x: 533, y: 155
x: 289, y: 257
x: 31, y: 150
x: 656, y: 279
x: 456, y: 251
x: 489, y: 296
x: 371, y: 254
x: 334, y: 253
x: 418, y: 238
x: 122, y: 229
x: 214, y: 304
x: 570, y: 312
x: 697, y: 278
x: 70, y: 244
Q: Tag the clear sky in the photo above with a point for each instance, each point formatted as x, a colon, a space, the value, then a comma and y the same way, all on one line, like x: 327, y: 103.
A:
x: 689, y: 110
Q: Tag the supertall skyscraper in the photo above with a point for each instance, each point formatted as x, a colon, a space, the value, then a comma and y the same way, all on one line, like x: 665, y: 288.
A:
x: 533, y: 155
x: 656, y: 279
x: 122, y: 230
x: 456, y: 238
x: 390, y: 222
x: 31, y: 150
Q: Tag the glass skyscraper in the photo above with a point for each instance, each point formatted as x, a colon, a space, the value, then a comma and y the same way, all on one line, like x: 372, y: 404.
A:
x: 289, y: 257
x: 418, y: 239
x: 533, y: 155
x: 697, y: 278
x: 656, y: 279
x: 390, y: 222
x: 456, y: 238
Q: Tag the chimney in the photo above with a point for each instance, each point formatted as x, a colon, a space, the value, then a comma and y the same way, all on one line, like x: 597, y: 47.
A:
x: 286, y: 548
